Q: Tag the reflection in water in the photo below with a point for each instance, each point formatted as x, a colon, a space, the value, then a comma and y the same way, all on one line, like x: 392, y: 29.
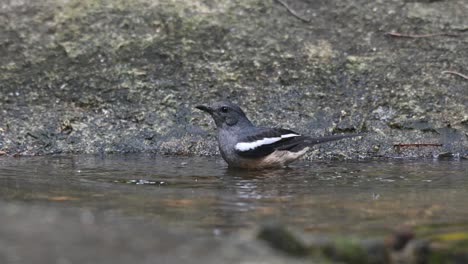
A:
x: 202, y: 193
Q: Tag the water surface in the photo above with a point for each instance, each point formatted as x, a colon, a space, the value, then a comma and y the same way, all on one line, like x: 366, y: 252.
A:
x: 203, y: 194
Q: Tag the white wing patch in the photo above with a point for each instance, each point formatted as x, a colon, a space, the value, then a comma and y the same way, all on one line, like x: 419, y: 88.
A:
x: 245, y: 146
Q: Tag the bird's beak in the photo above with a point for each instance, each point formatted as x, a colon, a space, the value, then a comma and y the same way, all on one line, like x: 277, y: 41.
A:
x: 207, y: 109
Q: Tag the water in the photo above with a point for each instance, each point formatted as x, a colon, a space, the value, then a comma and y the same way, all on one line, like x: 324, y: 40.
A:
x: 202, y: 194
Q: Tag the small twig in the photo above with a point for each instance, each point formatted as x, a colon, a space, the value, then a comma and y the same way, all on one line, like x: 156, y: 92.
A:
x: 32, y: 135
x: 400, y: 35
x: 400, y: 145
x: 292, y: 12
x: 457, y: 74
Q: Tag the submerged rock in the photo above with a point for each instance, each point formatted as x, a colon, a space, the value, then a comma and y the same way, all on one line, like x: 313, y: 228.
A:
x: 400, y: 247
x: 282, y: 240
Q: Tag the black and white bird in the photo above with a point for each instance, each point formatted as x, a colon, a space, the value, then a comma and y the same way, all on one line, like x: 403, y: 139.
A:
x: 244, y: 145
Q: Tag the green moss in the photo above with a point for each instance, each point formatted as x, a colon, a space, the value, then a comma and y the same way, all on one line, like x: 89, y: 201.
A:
x: 357, y: 63
x: 346, y: 250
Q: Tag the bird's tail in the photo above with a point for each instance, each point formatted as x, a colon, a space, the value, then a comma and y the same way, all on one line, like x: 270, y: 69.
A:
x: 313, y: 141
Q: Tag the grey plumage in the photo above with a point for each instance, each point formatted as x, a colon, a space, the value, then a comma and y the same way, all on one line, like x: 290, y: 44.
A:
x: 244, y: 145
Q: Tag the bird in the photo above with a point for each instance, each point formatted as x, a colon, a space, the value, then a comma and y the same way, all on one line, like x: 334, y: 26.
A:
x: 244, y: 145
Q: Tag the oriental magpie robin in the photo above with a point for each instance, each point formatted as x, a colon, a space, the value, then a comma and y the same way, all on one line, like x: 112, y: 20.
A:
x: 244, y: 145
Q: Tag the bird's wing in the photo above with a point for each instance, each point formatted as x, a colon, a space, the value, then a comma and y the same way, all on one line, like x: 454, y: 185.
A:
x: 264, y: 141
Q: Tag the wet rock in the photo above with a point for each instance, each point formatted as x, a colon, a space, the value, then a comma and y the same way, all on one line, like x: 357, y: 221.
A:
x: 375, y: 250
x: 323, y: 248
x: 283, y: 240
x: 96, y: 77
x: 445, y: 155
x: 422, y: 125
x: 403, y: 246
x: 439, y: 12
x: 398, y: 240
x: 416, y: 251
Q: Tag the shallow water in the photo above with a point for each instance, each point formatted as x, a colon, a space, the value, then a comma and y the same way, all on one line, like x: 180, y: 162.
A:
x: 202, y: 194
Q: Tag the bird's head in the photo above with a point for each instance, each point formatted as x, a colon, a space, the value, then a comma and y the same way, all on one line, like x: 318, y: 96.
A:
x: 226, y: 114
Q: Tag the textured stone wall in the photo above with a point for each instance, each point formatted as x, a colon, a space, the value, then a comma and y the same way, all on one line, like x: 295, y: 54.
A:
x: 123, y: 76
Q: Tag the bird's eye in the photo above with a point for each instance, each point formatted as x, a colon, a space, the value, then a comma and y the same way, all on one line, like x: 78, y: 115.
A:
x: 224, y: 109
